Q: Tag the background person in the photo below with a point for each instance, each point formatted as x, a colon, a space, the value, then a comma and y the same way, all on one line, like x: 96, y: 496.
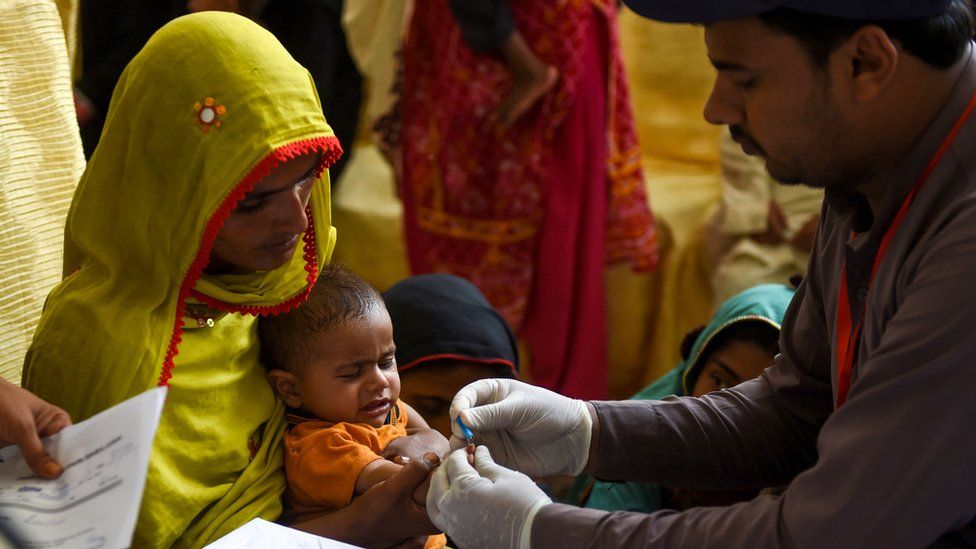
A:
x: 447, y: 335
x: 533, y: 213
x: 737, y: 345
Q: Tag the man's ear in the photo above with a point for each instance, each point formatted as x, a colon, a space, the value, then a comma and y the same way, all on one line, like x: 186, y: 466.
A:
x: 285, y: 385
x: 872, y: 61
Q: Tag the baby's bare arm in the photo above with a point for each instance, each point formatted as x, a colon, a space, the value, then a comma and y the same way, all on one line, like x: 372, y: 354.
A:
x: 375, y: 473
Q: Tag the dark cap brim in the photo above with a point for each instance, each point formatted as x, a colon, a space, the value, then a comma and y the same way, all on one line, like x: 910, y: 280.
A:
x: 709, y: 11
x: 697, y: 11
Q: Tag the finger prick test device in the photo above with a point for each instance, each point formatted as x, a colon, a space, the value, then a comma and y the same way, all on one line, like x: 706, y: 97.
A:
x: 468, y: 438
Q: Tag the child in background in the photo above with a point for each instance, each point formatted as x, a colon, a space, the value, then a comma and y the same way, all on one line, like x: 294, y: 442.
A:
x: 738, y: 344
x: 332, y: 361
x: 488, y: 25
x: 447, y: 335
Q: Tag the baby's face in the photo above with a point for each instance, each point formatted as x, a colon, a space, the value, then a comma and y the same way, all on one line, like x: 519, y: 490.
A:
x: 354, y: 377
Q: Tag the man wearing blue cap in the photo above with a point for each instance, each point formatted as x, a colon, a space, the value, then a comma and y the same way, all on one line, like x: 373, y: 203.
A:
x: 867, y: 412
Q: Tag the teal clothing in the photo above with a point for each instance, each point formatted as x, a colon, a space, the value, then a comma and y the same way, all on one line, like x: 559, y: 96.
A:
x: 763, y: 303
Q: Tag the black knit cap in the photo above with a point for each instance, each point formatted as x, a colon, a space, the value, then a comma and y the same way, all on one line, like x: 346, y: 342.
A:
x: 439, y: 317
x: 708, y: 11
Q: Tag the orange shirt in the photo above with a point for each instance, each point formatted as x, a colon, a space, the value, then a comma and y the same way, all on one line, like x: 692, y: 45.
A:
x: 323, y: 460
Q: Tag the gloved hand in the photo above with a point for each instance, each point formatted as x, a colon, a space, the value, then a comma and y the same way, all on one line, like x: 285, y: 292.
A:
x: 527, y: 428
x: 485, y: 505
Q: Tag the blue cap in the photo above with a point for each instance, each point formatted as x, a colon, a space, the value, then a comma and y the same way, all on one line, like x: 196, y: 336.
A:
x: 465, y: 430
x: 708, y: 11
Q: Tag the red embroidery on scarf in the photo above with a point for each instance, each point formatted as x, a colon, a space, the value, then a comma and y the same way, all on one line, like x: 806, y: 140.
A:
x: 331, y: 150
x: 449, y: 356
x: 208, y: 114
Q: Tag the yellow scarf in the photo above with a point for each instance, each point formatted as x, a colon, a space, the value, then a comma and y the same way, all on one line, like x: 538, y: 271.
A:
x: 209, y: 106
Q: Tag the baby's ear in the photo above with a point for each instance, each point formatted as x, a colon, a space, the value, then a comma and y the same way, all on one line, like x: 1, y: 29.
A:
x: 285, y: 385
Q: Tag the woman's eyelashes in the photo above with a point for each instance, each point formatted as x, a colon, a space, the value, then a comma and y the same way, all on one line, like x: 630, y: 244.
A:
x: 257, y: 204
x: 248, y: 206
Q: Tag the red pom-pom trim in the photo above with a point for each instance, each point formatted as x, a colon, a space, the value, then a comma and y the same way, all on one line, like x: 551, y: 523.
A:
x: 331, y: 151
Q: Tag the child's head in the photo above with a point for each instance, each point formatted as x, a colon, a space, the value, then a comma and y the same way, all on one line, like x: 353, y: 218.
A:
x: 447, y: 336
x: 333, y: 357
x: 740, y: 352
x: 741, y: 340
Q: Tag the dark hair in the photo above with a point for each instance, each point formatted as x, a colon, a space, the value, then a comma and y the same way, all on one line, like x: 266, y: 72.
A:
x: 762, y: 334
x: 939, y: 41
x: 339, y: 296
x: 689, y: 342
x: 757, y: 332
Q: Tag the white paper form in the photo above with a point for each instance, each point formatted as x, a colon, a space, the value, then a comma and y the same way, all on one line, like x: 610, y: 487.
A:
x: 261, y: 534
x: 96, y: 501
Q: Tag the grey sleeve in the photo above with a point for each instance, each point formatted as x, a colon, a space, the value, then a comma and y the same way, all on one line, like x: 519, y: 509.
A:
x: 760, y: 433
x: 485, y: 24
x: 893, y: 466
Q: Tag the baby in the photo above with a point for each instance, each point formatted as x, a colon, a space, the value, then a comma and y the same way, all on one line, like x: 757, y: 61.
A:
x: 332, y: 361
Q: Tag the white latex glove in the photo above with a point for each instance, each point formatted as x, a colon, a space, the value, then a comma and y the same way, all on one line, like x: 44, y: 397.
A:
x: 485, y: 505
x: 527, y: 428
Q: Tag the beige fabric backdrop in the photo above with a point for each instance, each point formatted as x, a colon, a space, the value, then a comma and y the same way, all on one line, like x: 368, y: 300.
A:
x: 670, y: 80
x: 40, y: 163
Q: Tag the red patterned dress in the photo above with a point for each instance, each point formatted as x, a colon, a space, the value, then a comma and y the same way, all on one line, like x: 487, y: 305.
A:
x: 530, y: 215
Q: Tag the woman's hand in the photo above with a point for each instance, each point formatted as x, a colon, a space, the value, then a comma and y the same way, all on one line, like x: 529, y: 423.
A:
x: 24, y: 419
x: 415, y: 445
x: 389, y: 514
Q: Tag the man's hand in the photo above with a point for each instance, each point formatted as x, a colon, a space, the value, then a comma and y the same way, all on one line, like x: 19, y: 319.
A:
x: 24, y: 419
x: 527, y: 428
x: 485, y: 505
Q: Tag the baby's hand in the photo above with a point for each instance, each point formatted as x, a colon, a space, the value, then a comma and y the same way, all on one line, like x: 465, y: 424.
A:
x: 415, y: 445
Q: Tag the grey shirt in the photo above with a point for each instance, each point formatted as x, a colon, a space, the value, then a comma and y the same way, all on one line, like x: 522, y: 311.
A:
x: 892, y: 467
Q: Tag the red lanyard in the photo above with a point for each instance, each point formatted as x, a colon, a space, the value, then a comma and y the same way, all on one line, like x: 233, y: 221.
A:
x: 848, y: 340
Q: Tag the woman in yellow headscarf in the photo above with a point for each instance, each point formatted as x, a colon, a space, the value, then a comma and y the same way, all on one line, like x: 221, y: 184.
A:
x: 201, y: 208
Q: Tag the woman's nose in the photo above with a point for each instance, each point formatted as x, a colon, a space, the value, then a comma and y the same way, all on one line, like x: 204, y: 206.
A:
x: 290, y: 215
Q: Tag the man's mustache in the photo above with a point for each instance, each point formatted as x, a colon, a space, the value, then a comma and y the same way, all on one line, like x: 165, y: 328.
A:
x: 740, y: 136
